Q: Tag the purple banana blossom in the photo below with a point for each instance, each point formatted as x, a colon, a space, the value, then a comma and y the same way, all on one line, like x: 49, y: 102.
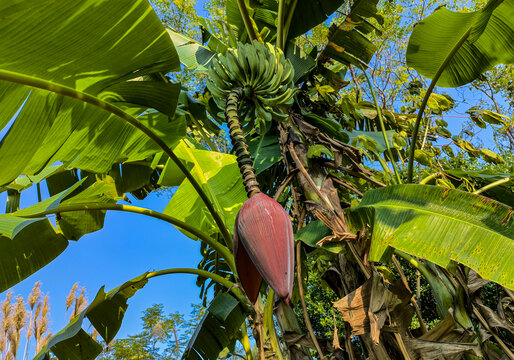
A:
x: 264, y: 230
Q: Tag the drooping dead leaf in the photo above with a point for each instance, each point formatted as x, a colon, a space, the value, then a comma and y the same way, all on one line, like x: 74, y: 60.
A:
x: 475, y: 282
x: 335, y: 342
x: 494, y: 320
x: 332, y: 276
x: 447, y: 331
x: 375, y: 352
x: 294, y: 340
x: 491, y: 352
x: 354, y: 308
x: 383, y: 302
x: 447, y: 340
x: 506, y: 309
x: 367, y: 308
x: 295, y: 343
x: 403, y: 313
x: 434, y: 350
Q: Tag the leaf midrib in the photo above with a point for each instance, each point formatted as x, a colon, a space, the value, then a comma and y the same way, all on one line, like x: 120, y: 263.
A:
x: 444, y: 216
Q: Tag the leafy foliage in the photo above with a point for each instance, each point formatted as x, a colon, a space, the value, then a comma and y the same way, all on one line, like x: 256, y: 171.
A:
x: 400, y: 215
x: 95, y: 128
x: 218, y: 175
x: 105, y: 313
x: 55, y: 122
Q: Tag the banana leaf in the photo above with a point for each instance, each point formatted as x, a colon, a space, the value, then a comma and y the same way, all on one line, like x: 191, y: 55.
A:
x: 193, y: 55
x: 347, y: 42
x: 26, y: 244
x: 217, y: 329
x: 440, y: 225
x: 58, y: 79
x: 219, y: 177
x: 265, y: 152
x: 307, y: 14
x: 503, y: 193
x: 472, y: 43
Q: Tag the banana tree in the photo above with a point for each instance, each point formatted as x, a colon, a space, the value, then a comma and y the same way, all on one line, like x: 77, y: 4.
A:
x: 97, y: 117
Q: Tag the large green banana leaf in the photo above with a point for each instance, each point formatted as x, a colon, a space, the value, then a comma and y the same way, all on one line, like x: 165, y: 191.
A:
x: 192, y: 54
x: 16, y: 236
x: 219, y: 177
x: 265, y: 152
x: 24, y: 182
x: 79, y: 48
x: 234, y: 19
x: 217, y: 329
x: 472, y: 42
x: 307, y: 14
x: 347, y: 42
x: 440, y: 225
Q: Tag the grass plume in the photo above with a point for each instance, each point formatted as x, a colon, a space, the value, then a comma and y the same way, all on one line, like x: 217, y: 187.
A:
x: 42, y: 323
x: 5, y: 323
x: 71, y: 296
x: 18, y: 322
x: 34, y: 298
x: 35, y: 295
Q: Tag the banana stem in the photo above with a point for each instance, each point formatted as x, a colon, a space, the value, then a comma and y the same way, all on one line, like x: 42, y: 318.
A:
x: 203, y: 273
x: 246, y: 19
x: 206, y: 274
x: 492, y: 185
x: 424, y: 103
x: 244, y: 159
x: 280, y: 27
x: 382, y: 127
x: 290, y: 13
x: 302, y: 298
x: 384, y: 166
x: 431, y: 177
x: 245, y: 341
x: 227, y: 255
x: 269, y: 325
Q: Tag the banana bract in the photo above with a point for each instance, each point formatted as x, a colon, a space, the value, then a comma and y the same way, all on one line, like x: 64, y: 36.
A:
x: 262, y: 69
x: 264, y: 230
x: 246, y: 270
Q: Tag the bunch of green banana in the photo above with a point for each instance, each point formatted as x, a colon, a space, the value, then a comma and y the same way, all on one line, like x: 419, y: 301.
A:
x: 264, y: 72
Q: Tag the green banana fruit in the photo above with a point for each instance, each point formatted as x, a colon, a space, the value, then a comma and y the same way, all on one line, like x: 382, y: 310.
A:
x: 264, y: 72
